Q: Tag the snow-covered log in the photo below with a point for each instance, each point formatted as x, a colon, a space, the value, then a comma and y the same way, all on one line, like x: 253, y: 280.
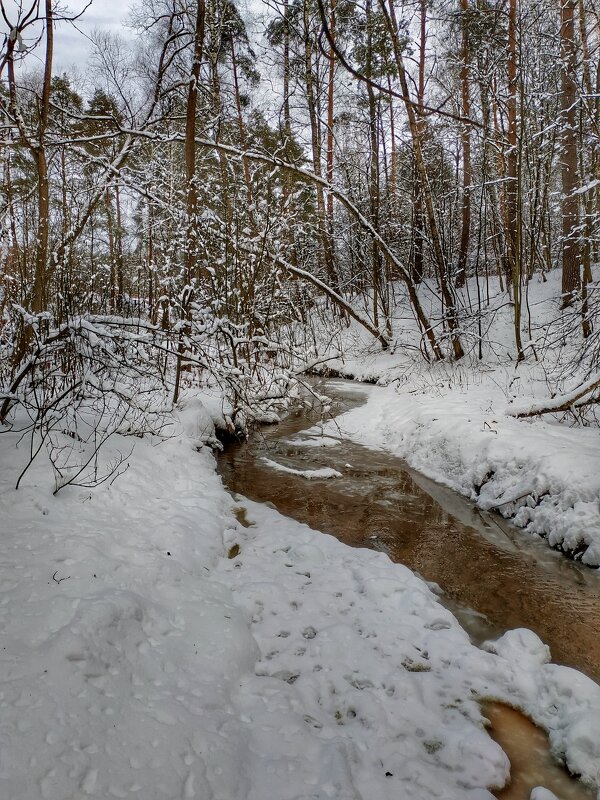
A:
x: 583, y: 394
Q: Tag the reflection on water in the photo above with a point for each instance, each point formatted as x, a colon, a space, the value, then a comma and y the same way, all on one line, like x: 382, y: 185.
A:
x: 531, y: 763
x: 492, y: 576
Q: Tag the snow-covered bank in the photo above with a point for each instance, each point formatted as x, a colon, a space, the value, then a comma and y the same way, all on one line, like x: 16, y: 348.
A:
x: 366, y: 659
x: 119, y: 653
x: 457, y: 423
x: 139, y: 660
x: 542, y: 475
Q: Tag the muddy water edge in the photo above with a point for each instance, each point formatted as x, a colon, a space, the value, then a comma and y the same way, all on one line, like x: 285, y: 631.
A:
x: 492, y: 576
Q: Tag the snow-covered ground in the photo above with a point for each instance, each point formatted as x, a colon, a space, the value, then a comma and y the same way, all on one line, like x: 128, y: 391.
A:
x: 457, y: 424
x: 155, y: 646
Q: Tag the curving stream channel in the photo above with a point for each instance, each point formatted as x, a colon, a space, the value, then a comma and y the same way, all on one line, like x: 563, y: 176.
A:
x: 490, y: 575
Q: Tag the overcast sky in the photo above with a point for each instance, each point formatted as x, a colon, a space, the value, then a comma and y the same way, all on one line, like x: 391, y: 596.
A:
x: 71, y: 47
x: 71, y: 43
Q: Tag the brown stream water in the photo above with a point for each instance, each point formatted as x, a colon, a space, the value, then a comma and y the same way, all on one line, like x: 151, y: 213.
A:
x: 490, y: 575
x: 531, y: 763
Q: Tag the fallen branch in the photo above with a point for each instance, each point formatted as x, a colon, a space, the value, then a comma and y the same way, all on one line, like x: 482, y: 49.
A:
x: 564, y: 402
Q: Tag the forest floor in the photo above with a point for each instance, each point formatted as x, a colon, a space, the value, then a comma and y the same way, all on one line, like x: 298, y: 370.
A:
x: 163, y: 640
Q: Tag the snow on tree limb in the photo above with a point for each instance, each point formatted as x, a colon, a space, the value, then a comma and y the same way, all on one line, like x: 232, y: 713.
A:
x: 327, y: 290
x: 340, y: 196
x: 564, y: 402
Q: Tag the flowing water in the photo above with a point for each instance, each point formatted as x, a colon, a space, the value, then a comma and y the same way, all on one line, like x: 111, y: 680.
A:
x: 531, y: 763
x: 491, y: 576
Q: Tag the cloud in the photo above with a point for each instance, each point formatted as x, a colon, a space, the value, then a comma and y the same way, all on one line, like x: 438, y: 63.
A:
x: 72, y: 46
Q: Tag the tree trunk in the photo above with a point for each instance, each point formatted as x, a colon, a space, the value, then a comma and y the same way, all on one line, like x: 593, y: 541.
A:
x: 328, y: 255
x: 436, y: 241
x: 418, y: 268
x: 463, y: 252
x: 190, y: 145
x: 40, y: 298
x: 569, y: 203
x: 119, y: 252
x: 373, y: 167
x: 330, y: 107
x: 513, y: 220
x: 110, y: 229
x: 191, y: 255
x: 241, y: 129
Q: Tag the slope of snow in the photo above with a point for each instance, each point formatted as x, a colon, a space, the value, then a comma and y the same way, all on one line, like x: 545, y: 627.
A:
x: 544, y: 476
x: 138, y: 660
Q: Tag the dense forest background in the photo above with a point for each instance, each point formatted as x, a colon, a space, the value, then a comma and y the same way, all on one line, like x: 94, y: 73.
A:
x: 220, y: 179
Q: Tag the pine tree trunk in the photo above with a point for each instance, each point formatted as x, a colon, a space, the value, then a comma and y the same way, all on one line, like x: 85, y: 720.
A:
x: 434, y: 232
x: 513, y: 183
x: 569, y: 205
x: 191, y: 255
x: 328, y: 254
x: 463, y: 252
x: 373, y: 168
x: 40, y: 299
x: 190, y: 144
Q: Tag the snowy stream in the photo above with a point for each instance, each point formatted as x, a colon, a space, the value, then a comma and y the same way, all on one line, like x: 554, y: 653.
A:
x: 491, y: 576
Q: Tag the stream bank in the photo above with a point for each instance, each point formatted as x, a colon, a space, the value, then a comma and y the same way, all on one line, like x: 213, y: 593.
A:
x: 492, y: 576
x: 479, y: 565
